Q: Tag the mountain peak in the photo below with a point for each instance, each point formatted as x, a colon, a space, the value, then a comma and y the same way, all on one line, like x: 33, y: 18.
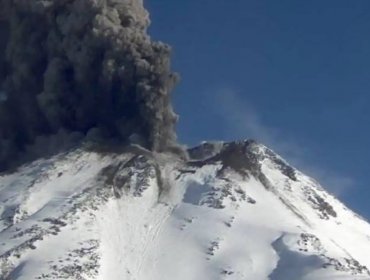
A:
x: 241, y: 156
x: 236, y: 210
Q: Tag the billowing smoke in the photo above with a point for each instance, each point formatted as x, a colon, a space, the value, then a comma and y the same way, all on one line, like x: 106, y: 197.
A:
x: 81, y: 68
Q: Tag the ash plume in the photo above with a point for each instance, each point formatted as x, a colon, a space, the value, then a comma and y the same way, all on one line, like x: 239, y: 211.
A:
x: 81, y: 68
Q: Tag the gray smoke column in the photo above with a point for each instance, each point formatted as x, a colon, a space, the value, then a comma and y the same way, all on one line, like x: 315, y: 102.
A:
x: 86, y: 67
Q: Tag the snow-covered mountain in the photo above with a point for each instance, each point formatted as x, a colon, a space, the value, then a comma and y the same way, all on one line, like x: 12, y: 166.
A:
x: 234, y: 211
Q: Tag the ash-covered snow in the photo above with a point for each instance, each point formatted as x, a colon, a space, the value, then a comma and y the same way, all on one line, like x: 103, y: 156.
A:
x: 234, y: 211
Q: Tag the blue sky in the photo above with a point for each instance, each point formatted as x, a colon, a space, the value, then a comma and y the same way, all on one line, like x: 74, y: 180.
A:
x: 294, y: 75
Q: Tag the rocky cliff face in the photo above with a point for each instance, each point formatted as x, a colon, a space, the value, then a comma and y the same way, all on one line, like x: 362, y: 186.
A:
x: 234, y: 211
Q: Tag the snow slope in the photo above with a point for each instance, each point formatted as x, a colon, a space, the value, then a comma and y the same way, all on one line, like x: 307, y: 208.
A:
x: 234, y: 211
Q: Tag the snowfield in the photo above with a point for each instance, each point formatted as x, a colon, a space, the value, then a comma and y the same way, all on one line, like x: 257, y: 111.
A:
x: 234, y: 211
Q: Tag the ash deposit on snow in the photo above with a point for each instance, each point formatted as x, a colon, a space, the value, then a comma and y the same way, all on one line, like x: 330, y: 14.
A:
x: 71, y: 69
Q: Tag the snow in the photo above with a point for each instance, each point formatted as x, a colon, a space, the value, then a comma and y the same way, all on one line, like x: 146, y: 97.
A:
x: 82, y: 215
x: 127, y: 229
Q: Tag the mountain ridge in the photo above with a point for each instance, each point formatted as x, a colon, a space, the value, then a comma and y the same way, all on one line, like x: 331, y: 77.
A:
x: 235, y: 210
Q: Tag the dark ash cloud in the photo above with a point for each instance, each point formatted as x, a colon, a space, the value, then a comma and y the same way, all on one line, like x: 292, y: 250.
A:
x: 84, y: 68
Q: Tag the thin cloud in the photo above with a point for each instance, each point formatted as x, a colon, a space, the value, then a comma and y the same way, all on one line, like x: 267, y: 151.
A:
x: 241, y: 121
